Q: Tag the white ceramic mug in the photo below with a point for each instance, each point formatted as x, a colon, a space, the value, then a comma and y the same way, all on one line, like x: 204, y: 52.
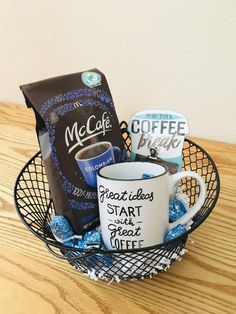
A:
x: 134, y: 212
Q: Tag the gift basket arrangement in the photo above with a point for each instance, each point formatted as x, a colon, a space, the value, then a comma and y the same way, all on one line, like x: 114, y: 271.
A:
x: 65, y: 216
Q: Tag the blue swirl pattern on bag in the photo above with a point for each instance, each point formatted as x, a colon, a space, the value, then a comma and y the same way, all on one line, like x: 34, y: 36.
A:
x: 77, y: 93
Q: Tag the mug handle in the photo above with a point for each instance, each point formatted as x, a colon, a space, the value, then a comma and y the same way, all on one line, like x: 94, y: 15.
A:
x: 117, y: 149
x: 173, y: 179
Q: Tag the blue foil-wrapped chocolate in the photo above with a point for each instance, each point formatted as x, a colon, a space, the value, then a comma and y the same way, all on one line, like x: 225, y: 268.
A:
x: 92, y: 239
x: 175, y: 232
x: 61, y: 228
x: 64, y: 233
x: 176, y: 210
x: 104, y: 258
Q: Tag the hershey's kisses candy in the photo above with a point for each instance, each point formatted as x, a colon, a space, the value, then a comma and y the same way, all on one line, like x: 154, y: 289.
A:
x: 61, y: 228
x: 74, y: 242
x: 91, y: 240
x: 104, y: 258
x: 64, y: 233
x: 175, y: 232
x: 176, y: 209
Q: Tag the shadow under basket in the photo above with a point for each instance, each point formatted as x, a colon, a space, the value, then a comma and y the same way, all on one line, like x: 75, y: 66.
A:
x: 35, y: 208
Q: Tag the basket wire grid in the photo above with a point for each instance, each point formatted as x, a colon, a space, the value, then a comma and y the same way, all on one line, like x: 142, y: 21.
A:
x: 35, y: 208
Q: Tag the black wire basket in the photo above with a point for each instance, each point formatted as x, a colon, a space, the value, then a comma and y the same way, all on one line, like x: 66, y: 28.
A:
x: 36, y: 209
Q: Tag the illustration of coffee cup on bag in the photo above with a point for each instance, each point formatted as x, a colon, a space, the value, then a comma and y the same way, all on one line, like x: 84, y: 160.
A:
x: 91, y: 158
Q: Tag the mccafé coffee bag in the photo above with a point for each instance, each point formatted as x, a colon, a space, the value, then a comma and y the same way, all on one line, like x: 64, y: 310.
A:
x: 78, y: 133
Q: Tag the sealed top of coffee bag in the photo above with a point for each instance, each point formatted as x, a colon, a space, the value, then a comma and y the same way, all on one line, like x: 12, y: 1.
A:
x: 78, y: 132
x: 158, y: 134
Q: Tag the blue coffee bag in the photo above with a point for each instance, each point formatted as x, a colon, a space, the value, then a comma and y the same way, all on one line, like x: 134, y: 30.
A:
x: 78, y: 133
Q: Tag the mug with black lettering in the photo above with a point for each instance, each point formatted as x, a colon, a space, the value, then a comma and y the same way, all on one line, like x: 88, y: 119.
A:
x: 91, y: 158
x: 134, y: 203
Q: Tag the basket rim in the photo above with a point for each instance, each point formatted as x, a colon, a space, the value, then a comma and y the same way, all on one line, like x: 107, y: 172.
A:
x: 163, y: 245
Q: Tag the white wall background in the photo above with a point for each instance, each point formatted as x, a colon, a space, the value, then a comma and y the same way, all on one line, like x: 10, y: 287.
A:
x: 178, y: 54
